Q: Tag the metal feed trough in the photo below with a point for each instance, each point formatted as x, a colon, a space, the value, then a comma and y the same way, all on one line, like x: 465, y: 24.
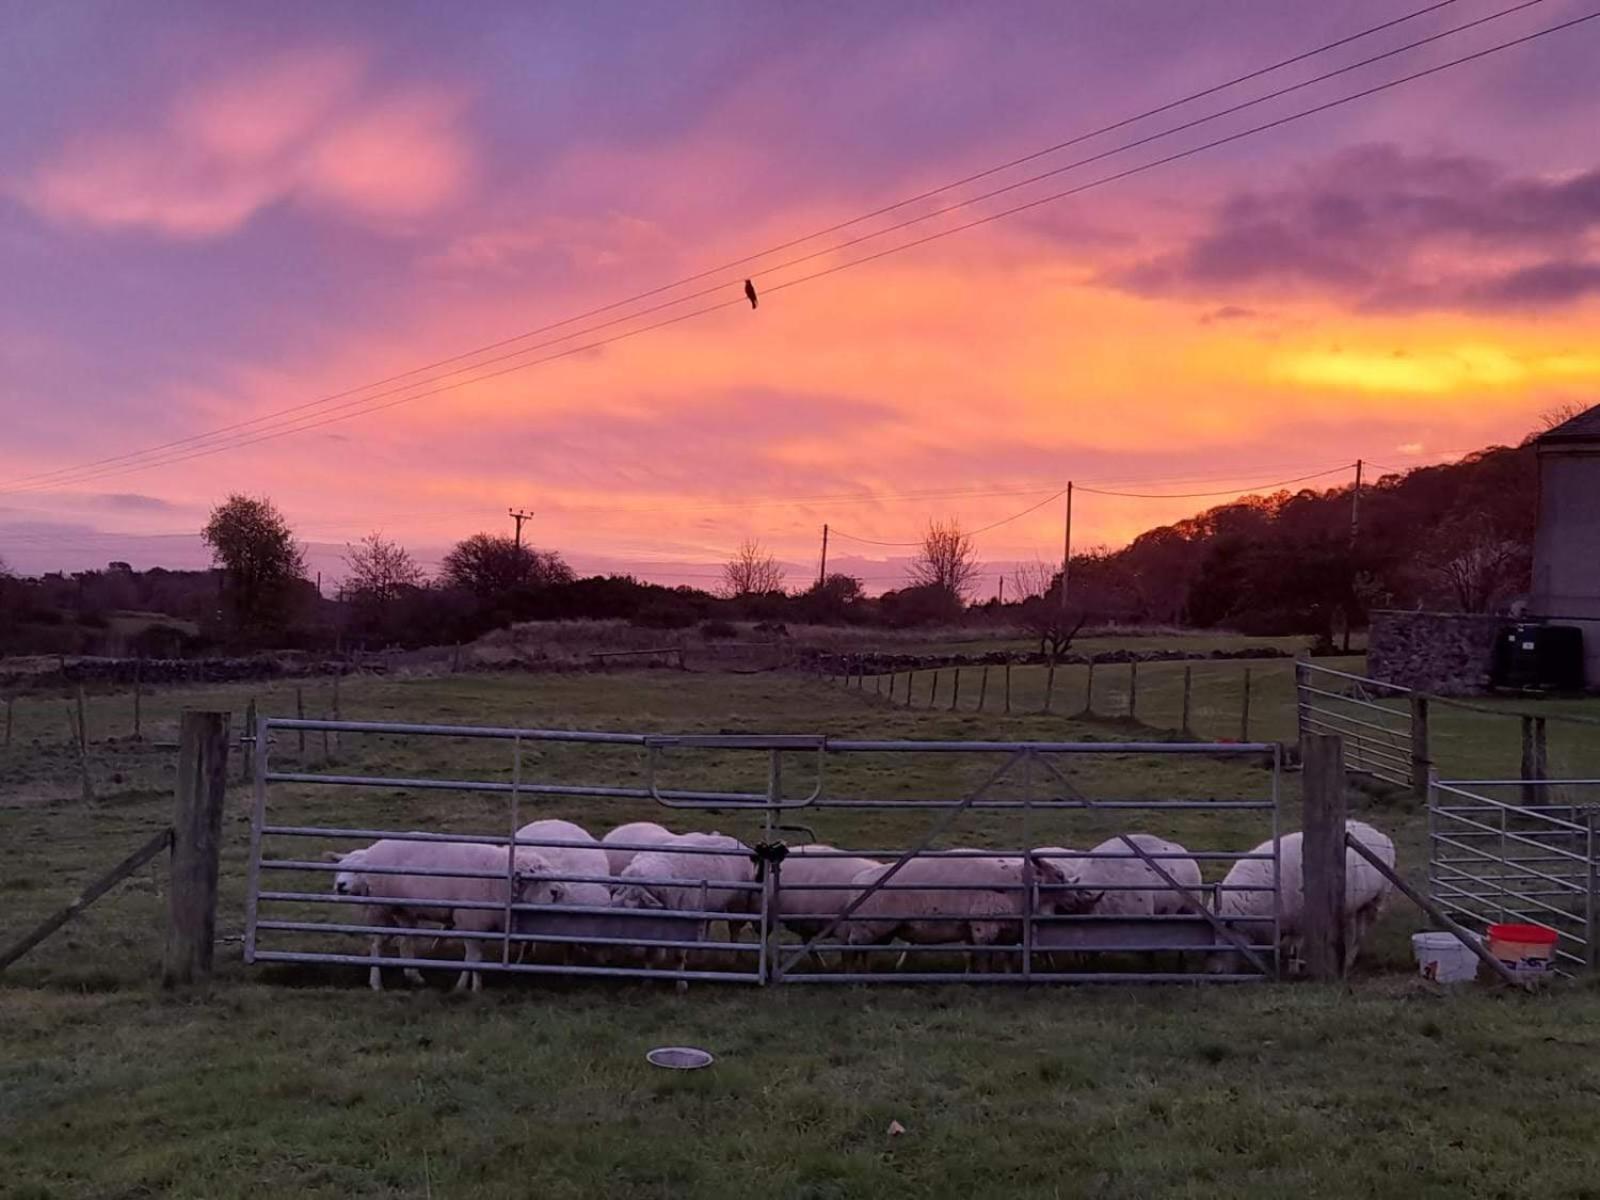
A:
x: 1494, y: 858
x: 303, y: 921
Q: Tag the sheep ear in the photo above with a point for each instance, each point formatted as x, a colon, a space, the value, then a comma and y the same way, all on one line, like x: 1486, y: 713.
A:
x: 558, y: 892
x: 332, y: 856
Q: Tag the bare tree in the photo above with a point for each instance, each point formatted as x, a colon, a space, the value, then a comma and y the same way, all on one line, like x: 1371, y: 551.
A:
x: 1033, y: 579
x: 1482, y: 573
x: 1560, y: 414
x: 381, y: 571
x: 751, y: 571
x: 946, y: 560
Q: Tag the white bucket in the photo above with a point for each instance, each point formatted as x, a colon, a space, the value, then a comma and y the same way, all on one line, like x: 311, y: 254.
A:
x: 1444, y: 958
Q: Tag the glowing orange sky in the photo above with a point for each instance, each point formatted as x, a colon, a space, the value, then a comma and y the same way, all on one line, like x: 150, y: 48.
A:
x: 339, y: 205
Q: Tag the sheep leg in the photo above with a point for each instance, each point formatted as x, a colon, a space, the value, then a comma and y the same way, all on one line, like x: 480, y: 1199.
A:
x: 1356, y: 928
x: 412, y: 975
x: 375, y: 974
x: 470, y: 975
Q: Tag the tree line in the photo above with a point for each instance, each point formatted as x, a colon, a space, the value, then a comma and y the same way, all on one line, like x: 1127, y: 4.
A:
x: 1312, y: 561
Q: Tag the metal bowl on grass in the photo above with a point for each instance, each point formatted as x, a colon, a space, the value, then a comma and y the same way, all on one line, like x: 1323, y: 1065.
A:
x: 679, y: 1058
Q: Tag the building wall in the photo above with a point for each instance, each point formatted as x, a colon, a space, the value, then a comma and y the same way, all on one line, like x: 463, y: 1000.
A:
x: 1444, y: 653
x: 1566, y: 549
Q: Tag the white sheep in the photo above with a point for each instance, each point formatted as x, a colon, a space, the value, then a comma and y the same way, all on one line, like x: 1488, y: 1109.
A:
x: 672, y: 879
x: 1131, y: 886
x: 379, y: 872
x: 580, y: 855
x: 633, y: 835
x: 937, y: 899
x: 816, y: 886
x: 1365, y: 891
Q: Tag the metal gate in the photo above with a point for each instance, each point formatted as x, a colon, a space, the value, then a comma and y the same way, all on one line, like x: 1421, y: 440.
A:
x: 772, y: 935
x: 1373, y: 717
x: 1493, y: 857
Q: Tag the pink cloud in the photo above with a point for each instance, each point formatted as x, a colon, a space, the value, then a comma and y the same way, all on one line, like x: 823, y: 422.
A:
x: 302, y: 128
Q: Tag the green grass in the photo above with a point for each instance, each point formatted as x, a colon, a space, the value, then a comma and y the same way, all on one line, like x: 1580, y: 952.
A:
x: 267, y: 1090
x: 300, y: 1082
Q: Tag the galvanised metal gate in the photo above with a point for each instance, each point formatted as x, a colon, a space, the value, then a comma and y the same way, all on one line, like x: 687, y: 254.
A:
x: 1013, y: 924
x: 1493, y: 857
x: 1373, y: 717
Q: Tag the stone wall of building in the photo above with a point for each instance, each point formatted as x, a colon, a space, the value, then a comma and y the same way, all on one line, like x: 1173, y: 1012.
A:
x: 1444, y: 653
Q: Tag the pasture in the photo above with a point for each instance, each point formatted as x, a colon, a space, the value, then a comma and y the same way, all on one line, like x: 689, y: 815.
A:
x: 297, y: 1081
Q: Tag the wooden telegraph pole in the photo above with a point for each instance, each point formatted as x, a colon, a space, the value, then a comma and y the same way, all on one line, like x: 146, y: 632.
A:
x: 1066, y: 557
x: 519, y: 517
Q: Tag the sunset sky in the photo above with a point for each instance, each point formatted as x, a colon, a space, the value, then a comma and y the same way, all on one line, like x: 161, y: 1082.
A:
x: 210, y: 213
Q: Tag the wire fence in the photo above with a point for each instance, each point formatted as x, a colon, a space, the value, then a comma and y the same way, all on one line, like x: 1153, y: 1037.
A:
x: 1219, y: 700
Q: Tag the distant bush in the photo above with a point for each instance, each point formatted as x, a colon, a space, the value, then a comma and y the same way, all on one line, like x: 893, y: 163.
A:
x: 664, y: 613
x: 718, y: 629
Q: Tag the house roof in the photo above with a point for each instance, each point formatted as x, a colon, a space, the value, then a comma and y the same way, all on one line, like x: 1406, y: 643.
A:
x: 1585, y: 427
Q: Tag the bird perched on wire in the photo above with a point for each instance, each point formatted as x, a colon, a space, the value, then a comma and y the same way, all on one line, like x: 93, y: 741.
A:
x: 750, y: 293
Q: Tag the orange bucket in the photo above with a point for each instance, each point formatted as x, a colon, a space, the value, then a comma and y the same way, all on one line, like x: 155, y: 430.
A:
x: 1526, y: 949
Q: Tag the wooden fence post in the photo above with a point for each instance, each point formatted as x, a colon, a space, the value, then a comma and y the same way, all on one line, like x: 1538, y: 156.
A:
x: 1534, y: 760
x: 955, y: 691
x: 247, y: 761
x: 933, y: 691
x: 1421, y: 754
x: 1323, y: 851
x: 1133, y: 689
x: 75, y: 730
x: 300, y: 713
x: 1008, y: 687
x: 1088, y: 692
x: 10, y: 700
x: 83, y: 724
x: 196, y: 847
x: 1188, y: 681
x: 1244, y: 709
x: 1049, y: 684
x: 983, y: 685
x: 338, y: 673
x: 911, y: 677
x: 138, y: 698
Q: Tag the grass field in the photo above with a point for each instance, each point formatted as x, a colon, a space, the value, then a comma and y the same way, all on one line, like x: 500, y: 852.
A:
x: 299, y: 1082
x: 1466, y: 744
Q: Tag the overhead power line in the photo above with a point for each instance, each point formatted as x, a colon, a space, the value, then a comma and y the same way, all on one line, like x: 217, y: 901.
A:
x: 363, y: 405
x: 1226, y: 492
x: 1236, y: 491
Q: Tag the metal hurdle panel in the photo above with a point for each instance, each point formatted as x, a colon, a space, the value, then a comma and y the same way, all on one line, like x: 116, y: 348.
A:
x: 1493, y: 858
x: 306, y: 921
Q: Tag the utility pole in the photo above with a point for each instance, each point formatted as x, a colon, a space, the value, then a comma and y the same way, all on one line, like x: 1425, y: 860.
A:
x: 519, y: 517
x: 1355, y: 505
x: 1066, y: 552
x: 1355, y: 527
x: 822, y: 571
